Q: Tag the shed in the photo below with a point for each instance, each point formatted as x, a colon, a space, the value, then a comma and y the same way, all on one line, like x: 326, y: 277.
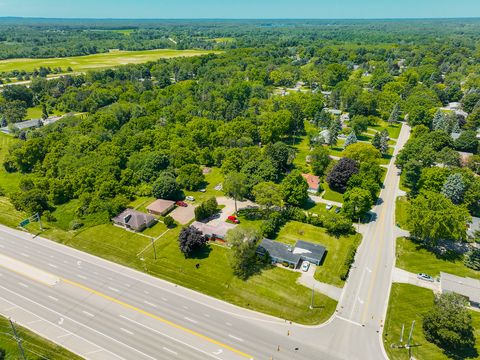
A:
x: 161, y: 207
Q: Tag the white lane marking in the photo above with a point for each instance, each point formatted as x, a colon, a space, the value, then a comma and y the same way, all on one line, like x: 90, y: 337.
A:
x: 218, y: 352
x: 87, y: 313
x: 235, y: 337
x: 170, y: 351
x: 22, y: 284
x: 185, y: 307
x: 191, y: 320
x: 64, y: 335
x: 51, y: 256
x: 228, y: 324
x: 170, y: 337
x: 368, y: 269
x: 150, y: 304
x: 52, y: 298
x: 53, y: 266
x: 82, y: 277
x: 94, y: 351
x: 348, y: 320
x: 79, y: 263
x: 113, y: 289
x: 34, y: 321
x: 26, y: 255
x: 164, y: 299
x: 60, y: 322
x: 360, y: 300
x: 126, y: 331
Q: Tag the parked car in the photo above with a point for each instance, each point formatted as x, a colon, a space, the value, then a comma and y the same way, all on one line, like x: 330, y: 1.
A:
x: 329, y: 206
x: 305, y: 266
x: 337, y: 210
x: 202, y: 190
x: 190, y: 198
x: 181, y: 203
x: 233, y: 219
x: 425, y: 277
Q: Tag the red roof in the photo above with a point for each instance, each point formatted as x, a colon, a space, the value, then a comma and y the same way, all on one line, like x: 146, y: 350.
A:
x: 312, y: 180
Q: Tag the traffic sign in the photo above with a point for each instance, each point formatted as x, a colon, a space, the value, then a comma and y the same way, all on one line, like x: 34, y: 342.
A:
x: 25, y: 222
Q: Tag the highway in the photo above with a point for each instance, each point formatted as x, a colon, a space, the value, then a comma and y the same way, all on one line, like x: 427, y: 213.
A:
x: 101, y: 310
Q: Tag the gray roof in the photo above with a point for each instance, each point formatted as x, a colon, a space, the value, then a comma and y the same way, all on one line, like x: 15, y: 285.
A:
x: 314, y: 251
x: 28, y: 124
x: 301, y: 251
x: 135, y: 219
x: 461, y: 285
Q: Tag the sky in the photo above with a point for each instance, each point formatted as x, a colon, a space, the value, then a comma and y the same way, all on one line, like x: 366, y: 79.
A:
x: 241, y: 9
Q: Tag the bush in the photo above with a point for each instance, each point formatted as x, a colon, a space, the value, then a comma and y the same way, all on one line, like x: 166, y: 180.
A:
x: 472, y: 259
x: 168, y: 221
x: 190, y: 239
x: 348, y: 262
x: 206, y: 209
x: 48, y: 216
x: 75, y: 224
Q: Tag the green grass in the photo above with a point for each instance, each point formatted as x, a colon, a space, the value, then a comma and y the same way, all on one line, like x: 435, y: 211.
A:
x: 330, y: 194
x: 96, y: 61
x: 401, y: 207
x: 212, y: 179
x: 408, y: 303
x: 227, y: 40
x: 415, y: 258
x: 393, y: 130
x: 9, y: 182
x: 36, y: 112
x: 337, y: 248
x: 34, y: 346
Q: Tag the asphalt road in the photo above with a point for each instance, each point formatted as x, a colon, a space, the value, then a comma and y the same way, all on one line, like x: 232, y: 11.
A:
x: 101, y: 310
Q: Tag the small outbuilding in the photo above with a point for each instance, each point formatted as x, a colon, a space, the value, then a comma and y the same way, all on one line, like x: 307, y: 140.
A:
x: 161, y: 207
x: 134, y: 220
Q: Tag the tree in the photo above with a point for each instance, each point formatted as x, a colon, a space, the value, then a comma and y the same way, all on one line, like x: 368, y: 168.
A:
x: 377, y: 141
x: 351, y: 139
x: 362, y: 152
x: 472, y: 259
x: 340, y: 174
x: 439, y: 121
x: 333, y: 131
x: 206, y: 209
x: 243, y: 259
x: 294, y: 189
x: 190, y: 239
x: 357, y: 202
x: 448, y: 157
x: 467, y: 141
x: 235, y: 186
x: 449, y: 324
x: 168, y: 221
x: 384, y: 139
x: 454, y: 188
x: 319, y: 160
x: 333, y: 74
x: 394, y: 115
x: 166, y: 187
x: 44, y: 112
x: 359, y: 124
x: 280, y: 154
x: 412, y: 171
x: 432, y: 217
x: 190, y: 177
x: 267, y: 194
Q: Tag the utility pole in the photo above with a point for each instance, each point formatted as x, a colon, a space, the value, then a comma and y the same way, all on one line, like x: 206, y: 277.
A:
x: 154, y: 250
x: 401, y: 335
x: 17, y: 338
x: 40, y: 221
x: 313, y: 297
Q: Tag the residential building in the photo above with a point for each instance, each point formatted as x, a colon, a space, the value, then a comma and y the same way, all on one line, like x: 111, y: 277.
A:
x: 292, y: 255
x: 134, y: 220
x: 161, y: 207
x: 313, y: 183
x: 214, y: 230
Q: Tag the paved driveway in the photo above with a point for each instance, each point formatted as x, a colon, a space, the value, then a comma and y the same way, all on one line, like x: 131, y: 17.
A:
x: 183, y: 215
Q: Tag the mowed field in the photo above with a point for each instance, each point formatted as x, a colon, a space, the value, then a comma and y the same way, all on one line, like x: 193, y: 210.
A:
x: 97, y: 61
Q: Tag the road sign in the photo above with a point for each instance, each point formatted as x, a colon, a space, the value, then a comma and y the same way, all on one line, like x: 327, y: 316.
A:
x: 25, y: 222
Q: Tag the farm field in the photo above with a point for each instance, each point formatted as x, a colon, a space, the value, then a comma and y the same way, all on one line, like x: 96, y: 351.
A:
x: 97, y: 61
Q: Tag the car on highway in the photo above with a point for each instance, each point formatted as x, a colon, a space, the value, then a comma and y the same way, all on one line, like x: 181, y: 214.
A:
x: 329, y: 206
x: 425, y: 277
x: 190, y: 198
x: 305, y: 266
x: 181, y: 203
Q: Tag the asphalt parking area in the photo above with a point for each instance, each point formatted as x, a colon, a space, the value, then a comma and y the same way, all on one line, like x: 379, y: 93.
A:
x: 183, y: 215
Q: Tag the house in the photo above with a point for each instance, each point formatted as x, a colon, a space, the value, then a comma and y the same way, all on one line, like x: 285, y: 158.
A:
x: 293, y: 256
x: 345, y: 117
x: 161, y: 207
x: 313, y: 183
x: 24, y: 125
x: 214, y: 230
x: 134, y: 220
x: 465, y: 286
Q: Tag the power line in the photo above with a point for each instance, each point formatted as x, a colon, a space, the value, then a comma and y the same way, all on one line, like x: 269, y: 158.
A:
x: 17, y: 338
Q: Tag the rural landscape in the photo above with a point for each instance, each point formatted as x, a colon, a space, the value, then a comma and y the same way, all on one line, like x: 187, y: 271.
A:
x: 231, y: 189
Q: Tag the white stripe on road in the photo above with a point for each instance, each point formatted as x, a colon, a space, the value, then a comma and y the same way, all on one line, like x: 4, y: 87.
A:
x: 235, y: 337
x: 82, y: 277
x: 191, y: 320
x: 52, y: 298
x: 22, y: 284
x: 150, y: 304
x: 170, y: 351
x: 127, y: 331
x: 113, y: 289
x: 88, y: 314
x: 348, y: 320
x: 53, y: 266
x: 26, y: 255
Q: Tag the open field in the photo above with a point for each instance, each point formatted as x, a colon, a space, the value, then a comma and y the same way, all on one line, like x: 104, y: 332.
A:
x: 34, y: 346
x: 408, y: 303
x: 97, y: 61
x: 417, y: 259
x: 337, y: 248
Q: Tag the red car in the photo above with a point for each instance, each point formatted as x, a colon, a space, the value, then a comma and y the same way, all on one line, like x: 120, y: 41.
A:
x: 233, y: 219
x: 181, y: 203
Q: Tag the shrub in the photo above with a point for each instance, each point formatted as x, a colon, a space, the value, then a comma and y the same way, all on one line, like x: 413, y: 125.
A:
x: 168, y: 221
x: 348, y: 262
x: 472, y: 259
x: 75, y: 224
x: 190, y: 239
x: 206, y: 209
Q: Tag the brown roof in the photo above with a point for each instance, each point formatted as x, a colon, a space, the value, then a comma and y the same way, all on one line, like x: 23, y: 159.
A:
x: 160, y: 205
x: 312, y: 180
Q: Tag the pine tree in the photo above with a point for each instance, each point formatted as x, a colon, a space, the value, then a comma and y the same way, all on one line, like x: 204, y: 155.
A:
x: 384, y: 138
x: 377, y: 141
x: 454, y: 188
x: 333, y: 132
x: 351, y: 139
x: 395, y: 114
x: 440, y: 121
x: 472, y: 259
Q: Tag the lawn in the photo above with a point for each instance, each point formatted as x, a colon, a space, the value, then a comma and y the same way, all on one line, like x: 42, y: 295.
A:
x: 97, y: 61
x: 212, y: 179
x: 393, y: 130
x: 34, y: 346
x: 330, y: 194
x: 415, y: 258
x: 337, y: 248
x: 36, y: 112
x: 401, y: 207
x: 9, y: 182
x: 408, y: 303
